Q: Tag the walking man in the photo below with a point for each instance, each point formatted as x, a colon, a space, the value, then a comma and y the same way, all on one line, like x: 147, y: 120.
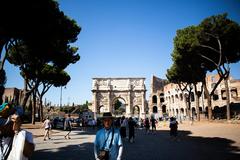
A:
x: 108, y: 143
x: 68, y: 126
x: 131, y: 127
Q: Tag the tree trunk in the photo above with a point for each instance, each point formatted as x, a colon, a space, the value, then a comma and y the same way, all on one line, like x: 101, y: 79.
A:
x: 208, y: 100
x: 228, y: 98
x: 189, y: 104
x: 34, y: 108
x: 41, y: 110
x: 197, y: 102
x: 25, y: 95
x: 2, y: 88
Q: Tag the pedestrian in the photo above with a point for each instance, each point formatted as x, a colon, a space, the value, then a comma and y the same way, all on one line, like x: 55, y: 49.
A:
x: 131, y: 127
x: 173, y: 128
x: 153, y: 123
x: 84, y: 124
x: 117, y: 122
x: 68, y: 126
x: 15, y: 143
x: 47, y: 128
x: 123, y: 128
x: 147, y: 125
x: 108, y: 143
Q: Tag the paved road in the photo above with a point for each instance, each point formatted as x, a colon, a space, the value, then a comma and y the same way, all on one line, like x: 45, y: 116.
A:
x: 218, y: 142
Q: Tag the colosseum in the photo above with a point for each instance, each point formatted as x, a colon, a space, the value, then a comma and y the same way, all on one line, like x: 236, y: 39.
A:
x: 167, y: 99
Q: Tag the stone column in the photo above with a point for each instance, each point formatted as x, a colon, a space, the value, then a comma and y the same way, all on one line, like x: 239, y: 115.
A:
x: 142, y: 110
x: 129, y: 105
x: 95, y: 111
x: 109, y: 102
x: 159, y: 106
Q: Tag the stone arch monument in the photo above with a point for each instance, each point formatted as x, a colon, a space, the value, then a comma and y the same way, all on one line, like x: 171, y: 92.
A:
x: 132, y: 91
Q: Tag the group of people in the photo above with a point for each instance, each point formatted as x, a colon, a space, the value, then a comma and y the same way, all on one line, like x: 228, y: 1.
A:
x: 151, y: 122
x: 123, y: 124
x: 15, y: 143
x: 47, y: 125
x: 108, y: 143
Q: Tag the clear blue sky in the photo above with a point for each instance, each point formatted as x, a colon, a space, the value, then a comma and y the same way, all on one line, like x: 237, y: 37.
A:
x: 127, y: 38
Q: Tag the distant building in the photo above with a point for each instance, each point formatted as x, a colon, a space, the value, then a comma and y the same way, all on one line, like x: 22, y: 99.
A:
x: 170, y: 100
x: 12, y: 95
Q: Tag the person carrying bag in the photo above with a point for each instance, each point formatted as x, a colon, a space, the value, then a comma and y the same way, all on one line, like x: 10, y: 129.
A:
x: 108, y: 143
x: 104, y: 154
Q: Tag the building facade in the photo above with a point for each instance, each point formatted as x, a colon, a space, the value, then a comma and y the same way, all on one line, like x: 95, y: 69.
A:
x: 130, y: 91
x: 171, y: 100
x: 12, y: 95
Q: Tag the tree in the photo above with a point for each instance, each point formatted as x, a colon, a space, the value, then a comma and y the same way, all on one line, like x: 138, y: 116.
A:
x: 219, y: 44
x: 212, y: 45
x: 50, y: 76
x: 186, y: 70
x: 2, y: 83
x: 47, y: 35
x: 117, y: 104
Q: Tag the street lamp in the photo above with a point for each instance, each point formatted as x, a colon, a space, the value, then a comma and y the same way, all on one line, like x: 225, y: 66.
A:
x: 61, y: 96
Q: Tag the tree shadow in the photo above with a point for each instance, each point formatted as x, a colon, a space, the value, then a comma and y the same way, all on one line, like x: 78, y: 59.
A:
x: 153, y: 146
x: 159, y: 145
x: 70, y: 152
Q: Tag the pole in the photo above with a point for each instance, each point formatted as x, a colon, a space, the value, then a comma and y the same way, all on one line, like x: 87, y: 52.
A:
x: 61, y: 98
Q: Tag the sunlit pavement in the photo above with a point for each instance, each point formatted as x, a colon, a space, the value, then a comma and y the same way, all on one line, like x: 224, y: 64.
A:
x: 200, y: 141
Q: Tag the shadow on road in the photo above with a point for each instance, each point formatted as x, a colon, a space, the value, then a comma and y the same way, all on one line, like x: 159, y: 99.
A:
x: 153, y: 146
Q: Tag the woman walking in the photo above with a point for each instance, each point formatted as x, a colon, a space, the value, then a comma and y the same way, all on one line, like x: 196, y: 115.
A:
x: 47, y: 127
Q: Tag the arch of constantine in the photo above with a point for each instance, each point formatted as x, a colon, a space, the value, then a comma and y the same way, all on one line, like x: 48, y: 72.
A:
x: 130, y: 91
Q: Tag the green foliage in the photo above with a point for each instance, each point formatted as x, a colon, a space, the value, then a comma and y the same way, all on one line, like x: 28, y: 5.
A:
x: 227, y: 49
x: 187, y: 66
x: 37, y: 41
x: 202, y: 48
x: 117, y: 104
x: 53, y: 75
x: 2, y: 77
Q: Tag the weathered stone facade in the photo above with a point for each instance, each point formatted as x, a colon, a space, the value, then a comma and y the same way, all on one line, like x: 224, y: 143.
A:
x: 12, y: 95
x: 171, y: 100
x: 132, y: 91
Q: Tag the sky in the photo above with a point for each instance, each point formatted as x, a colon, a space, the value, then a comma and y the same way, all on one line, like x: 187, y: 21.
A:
x: 127, y: 38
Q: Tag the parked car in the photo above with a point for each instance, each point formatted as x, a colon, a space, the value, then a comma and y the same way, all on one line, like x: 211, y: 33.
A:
x: 76, y: 122
x: 58, y: 123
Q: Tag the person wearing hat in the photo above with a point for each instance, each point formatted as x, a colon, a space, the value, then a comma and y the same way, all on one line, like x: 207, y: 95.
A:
x: 108, y: 143
x: 15, y: 143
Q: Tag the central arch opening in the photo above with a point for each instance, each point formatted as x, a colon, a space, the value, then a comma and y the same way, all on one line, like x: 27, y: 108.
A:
x: 136, y: 111
x: 119, y: 106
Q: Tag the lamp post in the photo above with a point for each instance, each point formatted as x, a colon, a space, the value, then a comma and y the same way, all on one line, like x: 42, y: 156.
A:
x: 61, y: 98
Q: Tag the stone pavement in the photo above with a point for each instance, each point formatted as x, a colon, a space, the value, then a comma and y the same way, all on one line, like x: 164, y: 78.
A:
x: 200, y: 141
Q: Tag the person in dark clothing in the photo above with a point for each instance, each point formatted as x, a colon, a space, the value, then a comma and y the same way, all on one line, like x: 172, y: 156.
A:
x: 117, y: 122
x: 123, y: 127
x: 173, y: 127
x: 131, y: 127
x: 153, y: 123
x: 68, y: 127
x: 147, y: 125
